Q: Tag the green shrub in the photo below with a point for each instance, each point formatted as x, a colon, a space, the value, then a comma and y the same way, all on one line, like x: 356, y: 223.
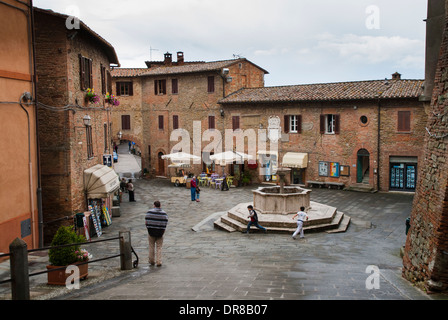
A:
x: 64, y: 256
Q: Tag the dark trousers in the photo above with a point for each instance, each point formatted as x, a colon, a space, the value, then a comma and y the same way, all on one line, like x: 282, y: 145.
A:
x: 131, y: 196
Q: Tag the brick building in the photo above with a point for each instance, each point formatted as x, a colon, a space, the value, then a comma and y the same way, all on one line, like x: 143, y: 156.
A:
x: 426, y: 253
x: 169, y: 95
x: 19, y: 162
x: 363, y: 135
x: 68, y: 63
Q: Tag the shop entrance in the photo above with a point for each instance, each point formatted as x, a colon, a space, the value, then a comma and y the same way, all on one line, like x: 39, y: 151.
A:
x: 161, y: 171
x: 363, y: 166
x: 297, y: 176
x: 403, y: 173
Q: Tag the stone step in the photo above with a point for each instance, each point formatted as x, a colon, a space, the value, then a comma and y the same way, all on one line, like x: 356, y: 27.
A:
x: 342, y: 226
x: 228, y: 223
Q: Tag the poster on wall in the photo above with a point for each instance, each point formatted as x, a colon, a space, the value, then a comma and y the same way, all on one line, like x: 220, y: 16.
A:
x: 345, y: 171
x: 334, y: 169
x: 323, y: 169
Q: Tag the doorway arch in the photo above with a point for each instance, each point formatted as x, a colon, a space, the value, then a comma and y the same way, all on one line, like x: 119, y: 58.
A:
x: 363, y: 166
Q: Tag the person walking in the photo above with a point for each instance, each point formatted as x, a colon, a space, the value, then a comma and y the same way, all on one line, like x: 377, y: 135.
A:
x: 301, y: 217
x: 193, y: 186
x: 198, y: 191
x: 130, y: 187
x: 253, y: 220
x: 156, y: 221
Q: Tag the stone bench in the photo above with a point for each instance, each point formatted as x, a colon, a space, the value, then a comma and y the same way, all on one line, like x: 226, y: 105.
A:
x: 338, y: 185
x: 315, y: 183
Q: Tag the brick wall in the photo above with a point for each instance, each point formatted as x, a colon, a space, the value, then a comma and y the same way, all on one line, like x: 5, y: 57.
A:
x: 62, y: 134
x: 426, y: 253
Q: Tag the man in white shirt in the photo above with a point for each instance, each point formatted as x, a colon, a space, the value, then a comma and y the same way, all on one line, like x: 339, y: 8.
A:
x: 301, y: 217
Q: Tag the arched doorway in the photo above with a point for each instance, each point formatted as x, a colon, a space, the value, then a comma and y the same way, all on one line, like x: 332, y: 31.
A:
x: 363, y: 166
x: 161, y: 164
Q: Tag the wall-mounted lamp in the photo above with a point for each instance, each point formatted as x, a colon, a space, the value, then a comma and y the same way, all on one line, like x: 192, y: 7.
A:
x: 222, y: 112
x: 87, y: 120
x: 119, y: 135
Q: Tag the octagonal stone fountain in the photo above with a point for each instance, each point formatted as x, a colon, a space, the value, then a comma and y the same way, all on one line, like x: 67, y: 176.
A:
x: 281, y: 199
x: 276, y: 206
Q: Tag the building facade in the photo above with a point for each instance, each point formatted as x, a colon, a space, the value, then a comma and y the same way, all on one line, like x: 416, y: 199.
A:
x: 362, y: 135
x: 19, y: 165
x: 171, y: 95
x: 74, y: 129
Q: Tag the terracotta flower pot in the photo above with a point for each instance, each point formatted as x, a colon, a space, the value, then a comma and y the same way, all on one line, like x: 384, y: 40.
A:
x: 59, y: 277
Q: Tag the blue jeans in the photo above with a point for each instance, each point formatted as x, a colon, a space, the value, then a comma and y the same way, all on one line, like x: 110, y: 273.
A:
x: 193, y: 194
x: 254, y: 223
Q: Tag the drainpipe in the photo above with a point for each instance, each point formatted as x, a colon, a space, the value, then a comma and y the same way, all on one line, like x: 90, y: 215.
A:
x: 39, y: 181
x: 378, y: 175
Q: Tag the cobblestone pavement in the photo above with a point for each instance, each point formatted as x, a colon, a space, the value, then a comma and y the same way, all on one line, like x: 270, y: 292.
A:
x: 209, y: 264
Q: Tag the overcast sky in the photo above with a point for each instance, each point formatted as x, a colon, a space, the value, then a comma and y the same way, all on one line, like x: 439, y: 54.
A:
x: 297, y: 41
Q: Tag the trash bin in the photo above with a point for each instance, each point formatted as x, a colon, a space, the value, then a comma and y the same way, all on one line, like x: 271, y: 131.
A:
x: 408, y: 225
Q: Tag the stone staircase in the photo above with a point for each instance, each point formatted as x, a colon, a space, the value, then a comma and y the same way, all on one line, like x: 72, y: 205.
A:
x: 322, y: 218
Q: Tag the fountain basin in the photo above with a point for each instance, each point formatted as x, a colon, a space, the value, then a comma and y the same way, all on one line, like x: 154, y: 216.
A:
x: 273, y: 200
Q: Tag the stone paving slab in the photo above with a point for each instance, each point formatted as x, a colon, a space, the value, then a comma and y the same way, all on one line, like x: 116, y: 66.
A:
x: 202, y: 263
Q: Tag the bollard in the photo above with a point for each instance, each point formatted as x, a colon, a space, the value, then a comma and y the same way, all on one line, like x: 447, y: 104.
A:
x: 20, y: 285
x: 125, y: 250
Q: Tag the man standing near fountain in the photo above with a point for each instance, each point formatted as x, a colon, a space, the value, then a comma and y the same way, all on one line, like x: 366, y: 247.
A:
x: 253, y: 219
x: 301, y: 217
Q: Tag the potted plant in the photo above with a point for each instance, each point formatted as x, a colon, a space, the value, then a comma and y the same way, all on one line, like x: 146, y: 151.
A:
x: 66, y: 256
x: 246, y: 178
x: 111, y: 99
x: 91, y: 96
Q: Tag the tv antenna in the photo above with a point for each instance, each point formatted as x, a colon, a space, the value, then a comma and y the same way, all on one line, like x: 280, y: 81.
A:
x: 150, y: 52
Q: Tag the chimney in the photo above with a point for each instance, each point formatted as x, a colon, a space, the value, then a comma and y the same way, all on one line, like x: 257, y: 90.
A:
x: 180, y: 58
x: 168, y: 59
x: 396, y: 76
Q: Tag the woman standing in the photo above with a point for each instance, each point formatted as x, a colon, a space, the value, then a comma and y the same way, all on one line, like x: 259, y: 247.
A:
x: 130, y: 187
x: 193, y: 186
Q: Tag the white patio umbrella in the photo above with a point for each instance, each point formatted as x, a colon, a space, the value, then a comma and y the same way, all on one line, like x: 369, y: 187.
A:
x: 229, y: 157
x: 181, y: 157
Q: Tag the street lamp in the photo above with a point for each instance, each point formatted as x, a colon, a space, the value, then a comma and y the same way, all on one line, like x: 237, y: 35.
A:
x: 119, y: 135
x: 87, y: 120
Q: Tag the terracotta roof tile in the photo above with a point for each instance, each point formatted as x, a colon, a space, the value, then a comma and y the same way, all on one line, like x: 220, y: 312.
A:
x: 188, y: 67
x: 385, y: 89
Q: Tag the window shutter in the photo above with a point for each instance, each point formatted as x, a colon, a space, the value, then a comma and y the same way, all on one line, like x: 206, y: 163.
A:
x: 131, y: 88
x: 82, y: 72
x: 126, y: 122
x: 90, y: 73
x: 337, y: 124
x: 211, y: 84
x: 174, y: 86
x: 235, y: 122
x: 109, y: 81
x: 322, y: 123
x: 155, y: 87
x: 164, y: 86
x: 404, y: 121
x: 161, y: 122
x: 103, y: 79
x: 299, y: 123
x: 175, y: 122
x: 286, y: 124
x: 118, y: 93
x: 211, y: 122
